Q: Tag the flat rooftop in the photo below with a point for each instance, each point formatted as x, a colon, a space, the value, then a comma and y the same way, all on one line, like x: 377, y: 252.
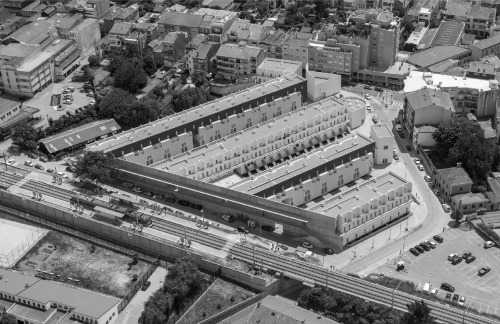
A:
x: 436, y: 54
x: 8, y: 103
x: 33, y: 314
x: 55, y: 47
x: 352, y: 197
x: 301, y: 164
x: 255, y: 133
x: 195, y: 113
x: 417, y: 80
x: 382, y: 130
x: 282, y: 65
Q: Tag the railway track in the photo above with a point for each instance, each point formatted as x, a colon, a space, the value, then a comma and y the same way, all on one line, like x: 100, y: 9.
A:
x: 355, y: 286
x: 49, y: 190
x: 9, y: 179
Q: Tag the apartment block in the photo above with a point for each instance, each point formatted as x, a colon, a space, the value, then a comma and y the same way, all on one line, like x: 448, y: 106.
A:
x: 202, y: 58
x: 384, y: 143
x: 273, y: 43
x: 423, y: 11
x: 238, y: 61
x: 65, y: 24
x: 244, y: 31
x: 119, y: 14
x: 86, y: 34
x: 174, y: 47
x: 272, y: 68
x: 117, y: 36
x: 333, y: 57
x: 468, y: 95
x: 178, y: 133
x: 486, y: 47
x: 216, y: 23
x: 479, y: 20
x: 96, y: 9
x: 295, y: 47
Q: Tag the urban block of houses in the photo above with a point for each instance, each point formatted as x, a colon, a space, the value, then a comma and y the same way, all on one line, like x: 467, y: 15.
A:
x: 452, y: 181
x: 243, y: 30
x: 238, y: 61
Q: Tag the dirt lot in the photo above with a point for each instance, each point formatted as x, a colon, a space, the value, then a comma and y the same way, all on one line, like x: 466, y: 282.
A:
x: 96, y: 268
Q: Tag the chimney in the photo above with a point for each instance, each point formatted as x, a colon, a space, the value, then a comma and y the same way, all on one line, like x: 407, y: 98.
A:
x: 459, y: 164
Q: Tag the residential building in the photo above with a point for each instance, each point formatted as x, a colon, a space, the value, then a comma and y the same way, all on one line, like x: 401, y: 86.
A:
x: 393, y: 77
x: 273, y: 43
x: 35, y: 300
x: 148, y: 29
x: 481, y: 21
x: 384, y: 143
x: 135, y: 43
x: 202, y: 58
x: 33, y: 9
x: 424, y: 11
x: 117, y: 36
x: 334, y: 57
x: 16, y: 6
x: 468, y: 95
x: 86, y: 35
x: 470, y: 202
x: 272, y: 68
x: 65, y: 24
x: 321, y: 85
x: 424, y: 107
x: 425, y: 58
x: 171, y: 21
x: 481, y: 70
x: 29, y: 75
x: 295, y: 47
x: 191, y: 46
x: 119, y: 14
x: 96, y: 9
x: 183, y: 131
x: 80, y: 136
x: 216, y: 23
x: 243, y: 30
x: 452, y: 181
x: 486, y: 47
x: 174, y: 47
x: 237, y: 61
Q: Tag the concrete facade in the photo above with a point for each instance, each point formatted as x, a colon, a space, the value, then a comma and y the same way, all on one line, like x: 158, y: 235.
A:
x: 452, y: 181
x: 321, y: 85
x: 384, y: 143
x: 86, y: 35
x: 272, y: 68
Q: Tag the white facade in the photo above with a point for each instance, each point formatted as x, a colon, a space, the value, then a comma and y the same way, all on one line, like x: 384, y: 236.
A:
x: 321, y: 85
x: 384, y: 143
x: 272, y: 68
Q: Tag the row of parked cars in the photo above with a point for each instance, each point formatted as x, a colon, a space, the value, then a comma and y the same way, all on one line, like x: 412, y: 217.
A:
x: 455, y: 298
x: 426, y: 246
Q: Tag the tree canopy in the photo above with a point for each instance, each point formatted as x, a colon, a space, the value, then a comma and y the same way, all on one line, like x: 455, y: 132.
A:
x: 188, y: 98
x: 97, y: 166
x: 26, y: 136
x: 130, y: 76
x: 8, y: 319
x: 418, y: 313
x: 199, y: 79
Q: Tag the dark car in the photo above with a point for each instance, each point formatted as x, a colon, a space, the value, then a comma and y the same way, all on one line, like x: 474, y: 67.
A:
x: 408, y: 147
x: 456, y: 260
x: 196, y: 206
x: 425, y: 246
x: 39, y: 167
x: 268, y: 228
x: 327, y: 250
x: 184, y: 203
x: 403, y: 136
x: 71, y: 169
x: 447, y: 297
x: 483, y: 271
x: 43, y: 159
x: 447, y: 287
x: 146, y: 285
x: 367, y: 87
x: 179, y: 213
x: 470, y: 259
x: 379, y: 89
x: 455, y: 298
x: 283, y: 247
x: 169, y: 199
x: 466, y: 255
x: 419, y: 248
x: 32, y: 155
x: 414, y: 252
x: 243, y: 229
x: 438, y: 238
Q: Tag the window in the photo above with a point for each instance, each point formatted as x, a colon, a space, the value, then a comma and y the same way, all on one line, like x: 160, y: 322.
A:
x: 167, y: 154
x: 324, y: 188
x: 249, y: 122
x: 183, y: 147
x: 264, y: 117
x: 386, y: 147
x: 341, y: 180
x: 233, y: 128
x: 217, y: 134
x: 307, y: 195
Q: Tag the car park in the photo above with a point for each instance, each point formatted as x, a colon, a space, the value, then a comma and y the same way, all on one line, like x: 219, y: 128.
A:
x: 327, y: 250
x: 39, y: 167
x: 267, y: 228
x: 28, y: 163
x: 11, y: 162
x: 483, y: 271
x: 488, y: 244
x: 419, y: 248
x: 414, y: 252
x: 461, y: 301
x: 455, y: 298
x: 427, y: 178
x: 470, y: 259
x: 438, y: 238
x: 137, y: 189
x: 420, y: 167
x: 227, y: 218
x: 307, y: 245
x: 146, y: 285
x: 447, y: 287
x: 446, y: 207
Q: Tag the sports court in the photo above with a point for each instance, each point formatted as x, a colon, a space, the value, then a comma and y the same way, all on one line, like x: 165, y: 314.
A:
x: 16, y: 239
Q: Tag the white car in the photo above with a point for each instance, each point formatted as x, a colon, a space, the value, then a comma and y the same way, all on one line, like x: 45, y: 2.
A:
x: 137, y: 189
x: 488, y: 244
x: 67, y: 102
x: 420, y: 167
x: 367, y: 97
x: 451, y: 256
x: 66, y: 91
x: 461, y: 301
x: 432, y: 243
x: 446, y: 208
x: 368, y: 107
x: 72, y: 89
x: 28, y: 163
x: 92, y: 102
x: 427, y: 178
x: 307, y: 245
x: 11, y: 162
x: 417, y: 161
x: 434, y: 291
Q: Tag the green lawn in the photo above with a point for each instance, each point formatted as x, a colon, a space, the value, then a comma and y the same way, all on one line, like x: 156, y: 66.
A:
x: 221, y: 292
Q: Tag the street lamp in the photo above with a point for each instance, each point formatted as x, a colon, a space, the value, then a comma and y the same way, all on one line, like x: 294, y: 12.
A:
x: 430, y: 277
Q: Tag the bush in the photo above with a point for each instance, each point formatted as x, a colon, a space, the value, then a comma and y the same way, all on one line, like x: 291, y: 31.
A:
x: 219, y: 306
x: 488, y: 231
x: 231, y: 299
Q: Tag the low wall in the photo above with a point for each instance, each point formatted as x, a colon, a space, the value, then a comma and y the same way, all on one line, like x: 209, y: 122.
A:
x: 145, y: 243
x: 226, y: 89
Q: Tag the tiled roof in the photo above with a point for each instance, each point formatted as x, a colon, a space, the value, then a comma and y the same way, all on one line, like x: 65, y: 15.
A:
x: 478, y: 67
x: 488, y: 42
x: 469, y: 198
x: 433, y: 55
x: 180, y: 19
x: 477, y: 12
x: 33, y: 33
x: 427, y: 97
x: 238, y: 52
x: 121, y: 28
x: 449, y: 33
x: 455, y: 176
x: 458, y: 9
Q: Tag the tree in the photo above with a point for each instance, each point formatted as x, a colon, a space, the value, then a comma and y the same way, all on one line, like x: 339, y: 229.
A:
x: 199, y: 79
x: 8, y: 319
x: 149, y: 65
x: 88, y: 75
x: 26, y: 136
x: 93, y: 61
x: 187, y: 98
x: 418, y: 313
x: 457, y: 216
x: 97, y: 166
x: 130, y: 76
x: 115, y: 105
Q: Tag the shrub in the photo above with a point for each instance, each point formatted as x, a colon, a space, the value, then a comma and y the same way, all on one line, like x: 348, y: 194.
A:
x: 488, y: 231
x: 231, y: 299
x: 219, y: 306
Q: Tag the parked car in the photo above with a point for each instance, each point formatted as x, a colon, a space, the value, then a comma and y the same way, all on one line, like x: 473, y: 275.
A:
x: 283, y: 247
x: 434, y: 291
x: 395, y: 156
x: 32, y: 155
x: 470, y: 259
x: 183, y: 203
x: 431, y: 243
x: 90, y: 94
x: 408, y: 148
x: 11, y: 162
x: 447, y: 287
x: 243, y: 229
x: 128, y: 184
x: 137, y: 189
x: 438, y: 238
x: 417, y: 161
x: 146, y: 285
x: 91, y: 102
x: 307, y: 245
x: 399, y: 128
x: 431, y: 185
x: 367, y: 87
x: 50, y: 170
x: 446, y: 208
x: 483, y: 271
x: 451, y: 256
x: 435, y: 191
x: 447, y: 297
x: 148, y: 193
x: 427, y: 178
x: 72, y: 89
x: 66, y: 91
x: 267, y: 228
x: 461, y: 301
x: 425, y: 246
x: 157, y: 196
x: 196, y: 206
x: 465, y: 255
x: 169, y: 199
x: 71, y: 169
x: 67, y: 102
x: 414, y: 252
x: 420, y: 167
x: 227, y: 218
x: 488, y: 244
x: 39, y: 167
x: 455, y: 298
x: 367, y: 96
x: 28, y: 163
x: 327, y: 250
x: 379, y: 89
x: 419, y: 248
x: 456, y: 260
x: 43, y: 159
